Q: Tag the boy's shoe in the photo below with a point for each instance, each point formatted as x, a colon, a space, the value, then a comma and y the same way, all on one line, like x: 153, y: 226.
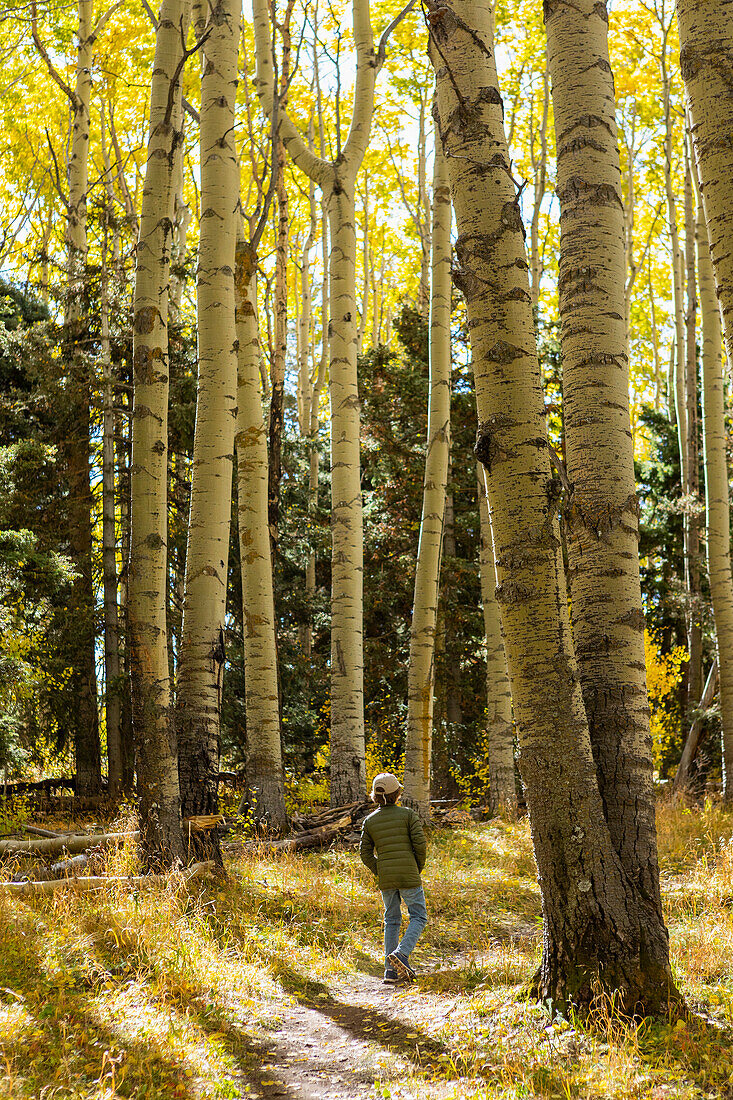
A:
x: 402, y: 966
x: 391, y: 977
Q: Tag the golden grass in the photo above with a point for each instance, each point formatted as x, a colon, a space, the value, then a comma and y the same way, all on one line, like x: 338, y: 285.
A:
x: 166, y: 992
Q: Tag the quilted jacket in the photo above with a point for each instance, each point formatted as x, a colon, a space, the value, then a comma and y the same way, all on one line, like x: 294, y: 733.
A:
x: 393, y: 846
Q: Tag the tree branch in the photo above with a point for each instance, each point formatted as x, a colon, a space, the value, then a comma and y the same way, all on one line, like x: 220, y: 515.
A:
x: 381, y: 54
x: 65, y: 88
x: 59, y: 188
x: 104, y: 20
x: 557, y: 462
x: 187, y: 106
x: 179, y: 69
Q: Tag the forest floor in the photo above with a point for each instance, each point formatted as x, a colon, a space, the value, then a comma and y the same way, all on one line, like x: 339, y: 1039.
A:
x: 268, y: 983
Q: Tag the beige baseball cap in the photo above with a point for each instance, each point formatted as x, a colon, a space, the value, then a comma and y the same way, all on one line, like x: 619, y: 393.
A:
x: 385, y: 783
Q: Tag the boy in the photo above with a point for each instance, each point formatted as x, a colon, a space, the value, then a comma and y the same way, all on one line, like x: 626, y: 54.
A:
x: 393, y: 847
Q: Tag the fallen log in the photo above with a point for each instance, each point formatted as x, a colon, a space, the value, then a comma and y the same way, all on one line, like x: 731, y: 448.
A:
x: 71, y: 844
x: 355, y: 811
x: 74, y: 804
x: 9, y: 790
x: 74, y: 865
x: 36, y: 830
x: 313, y: 838
x: 321, y: 817
x: 68, y: 782
x: 99, y: 882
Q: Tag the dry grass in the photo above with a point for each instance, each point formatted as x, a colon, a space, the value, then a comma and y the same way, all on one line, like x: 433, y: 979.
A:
x: 166, y: 993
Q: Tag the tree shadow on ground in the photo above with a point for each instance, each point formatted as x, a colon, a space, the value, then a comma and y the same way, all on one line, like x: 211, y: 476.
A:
x: 63, y: 1037
x: 253, y: 1054
x: 366, y: 1024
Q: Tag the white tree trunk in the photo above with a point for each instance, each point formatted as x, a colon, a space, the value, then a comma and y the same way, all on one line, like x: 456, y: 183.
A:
x: 366, y: 272
x: 706, y: 41
x: 602, y: 520
x: 314, y: 456
x: 499, y: 729
x: 280, y: 349
x: 337, y: 181
x: 691, y: 488
x: 421, y: 669
x: 679, y: 321
x: 717, y: 494
x: 113, y: 700
x: 348, y: 777
x: 76, y: 443
x: 587, y: 898
x: 157, y: 763
x: 539, y: 169
x: 201, y: 661
x: 264, y: 796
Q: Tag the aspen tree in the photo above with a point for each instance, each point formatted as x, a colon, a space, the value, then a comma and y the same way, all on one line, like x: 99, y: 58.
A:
x: 305, y: 316
x: 86, y: 730
x: 680, y: 405
x: 202, y: 655
x: 75, y: 446
x: 422, y: 217
x: 314, y: 456
x: 421, y: 669
x: 305, y: 386
x: 629, y: 213
x: 181, y: 222
x: 706, y: 59
x: 717, y: 494
x: 337, y: 180
x: 499, y: 730
x: 265, y: 792
x: 443, y: 782
x: 655, y: 347
x: 691, y: 488
x: 452, y: 664
x: 157, y: 763
x: 599, y: 927
x: 113, y: 708
x: 634, y: 264
x: 113, y: 699
x: 602, y: 522
x: 277, y: 363
x: 538, y: 160
x: 366, y: 271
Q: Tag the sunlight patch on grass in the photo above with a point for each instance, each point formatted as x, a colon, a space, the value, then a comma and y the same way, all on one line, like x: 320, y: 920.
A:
x: 165, y: 993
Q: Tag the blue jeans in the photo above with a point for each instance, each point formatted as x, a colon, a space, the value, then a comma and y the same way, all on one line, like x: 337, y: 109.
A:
x: 414, y: 899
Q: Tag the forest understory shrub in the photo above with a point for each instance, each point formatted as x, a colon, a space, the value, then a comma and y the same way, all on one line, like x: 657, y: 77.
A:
x: 164, y: 992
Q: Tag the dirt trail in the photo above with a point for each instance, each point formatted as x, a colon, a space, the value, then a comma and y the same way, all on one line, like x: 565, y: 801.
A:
x: 336, y: 1041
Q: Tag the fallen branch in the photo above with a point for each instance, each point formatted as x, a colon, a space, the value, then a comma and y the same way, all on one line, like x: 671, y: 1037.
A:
x: 71, y: 844
x: 99, y: 882
x: 689, y: 752
x: 313, y: 838
x: 36, y: 830
x: 354, y: 810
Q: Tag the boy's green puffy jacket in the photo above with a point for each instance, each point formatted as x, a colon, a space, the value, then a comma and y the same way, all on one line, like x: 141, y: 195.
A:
x: 393, y: 846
